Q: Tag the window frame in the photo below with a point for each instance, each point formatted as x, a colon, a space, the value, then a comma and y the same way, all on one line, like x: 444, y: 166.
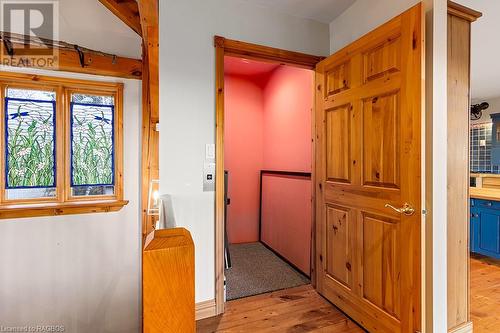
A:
x: 63, y: 202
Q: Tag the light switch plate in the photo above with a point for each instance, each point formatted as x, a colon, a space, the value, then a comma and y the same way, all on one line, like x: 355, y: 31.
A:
x: 210, y: 151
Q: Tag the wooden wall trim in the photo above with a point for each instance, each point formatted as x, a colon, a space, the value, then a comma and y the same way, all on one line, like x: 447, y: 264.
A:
x: 464, y: 12
x: 458, y: 233
x: 56, y: 208
x: 219, y: 178
x: 263, y: 53
x: 205, y: 309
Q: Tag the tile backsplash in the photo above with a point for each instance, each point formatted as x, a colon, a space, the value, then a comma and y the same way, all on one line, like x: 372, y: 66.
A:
x: 480, y: 149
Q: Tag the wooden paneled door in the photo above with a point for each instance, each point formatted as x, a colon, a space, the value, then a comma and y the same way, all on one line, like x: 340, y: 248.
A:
x: 368, y: 176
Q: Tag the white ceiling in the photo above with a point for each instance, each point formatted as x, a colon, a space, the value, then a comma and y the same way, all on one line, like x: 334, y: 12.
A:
x: 90, y: 24
x: 320, y: 10
x: 485, y: 64
x: 242, y: 66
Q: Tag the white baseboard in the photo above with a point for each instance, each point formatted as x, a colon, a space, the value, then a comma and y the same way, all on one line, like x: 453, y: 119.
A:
x: 205, y: 309
x: 465, y: 328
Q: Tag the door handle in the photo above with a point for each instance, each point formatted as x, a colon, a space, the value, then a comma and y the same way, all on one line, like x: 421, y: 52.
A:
x: 407, y: 209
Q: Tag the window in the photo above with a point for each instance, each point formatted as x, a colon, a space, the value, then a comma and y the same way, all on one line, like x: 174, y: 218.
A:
x: 92, y: 145
x: 61, y: 146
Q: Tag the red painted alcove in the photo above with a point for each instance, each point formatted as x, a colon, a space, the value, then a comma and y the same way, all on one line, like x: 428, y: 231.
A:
x: 268, y: 111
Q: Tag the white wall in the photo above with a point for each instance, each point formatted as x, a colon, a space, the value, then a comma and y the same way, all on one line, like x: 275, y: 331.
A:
x: 187, y: 100
x: 485, y: 72
x: 494, y: 108
x: 80, y: 271
x: 362, y: 17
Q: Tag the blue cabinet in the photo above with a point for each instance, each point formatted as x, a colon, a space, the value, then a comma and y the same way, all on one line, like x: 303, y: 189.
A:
x: 485, y: 227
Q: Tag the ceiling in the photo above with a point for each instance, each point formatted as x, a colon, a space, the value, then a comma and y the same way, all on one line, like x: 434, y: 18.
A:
x: 89, y: 24
x: 485, y: 67
x: 320, y: 10
x: 240, y: 66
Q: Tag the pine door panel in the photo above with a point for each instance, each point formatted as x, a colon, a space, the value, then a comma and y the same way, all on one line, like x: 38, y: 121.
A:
x: 338, y: 132
x: 381, y: 140
x: 339, y: 244
x: 381, y: 283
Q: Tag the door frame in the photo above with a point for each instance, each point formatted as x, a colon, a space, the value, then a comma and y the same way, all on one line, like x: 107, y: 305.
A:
x: 228, y: 47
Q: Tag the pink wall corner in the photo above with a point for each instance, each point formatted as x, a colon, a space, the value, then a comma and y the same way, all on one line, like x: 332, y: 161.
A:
x: 288, y: 102
x: 243, y: 142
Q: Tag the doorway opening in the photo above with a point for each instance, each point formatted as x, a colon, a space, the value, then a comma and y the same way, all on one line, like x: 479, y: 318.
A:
x: 278, y: 174
x: 267, y: 169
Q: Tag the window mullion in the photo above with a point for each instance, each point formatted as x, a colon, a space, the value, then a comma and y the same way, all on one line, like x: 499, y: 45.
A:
x: 61, y: 143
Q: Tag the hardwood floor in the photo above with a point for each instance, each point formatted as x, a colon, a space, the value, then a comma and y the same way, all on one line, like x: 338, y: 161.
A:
x: 301, y: 309
x: 485, y: 294
x: 295, y: 310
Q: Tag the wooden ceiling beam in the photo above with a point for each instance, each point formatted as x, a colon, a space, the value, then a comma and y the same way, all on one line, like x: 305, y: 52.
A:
x: 127, y: 11
x: 69, y: 61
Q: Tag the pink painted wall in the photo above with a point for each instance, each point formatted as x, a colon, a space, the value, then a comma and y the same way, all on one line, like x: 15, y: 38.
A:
x: 286, y: 212
x: 243, y: 155
x: 286, y: 216
x: 288, y: 101
x: 268, y: 126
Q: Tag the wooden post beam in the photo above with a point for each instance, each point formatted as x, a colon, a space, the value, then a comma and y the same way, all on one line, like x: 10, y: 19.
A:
x: 148, y: 10
x: 127, y: 11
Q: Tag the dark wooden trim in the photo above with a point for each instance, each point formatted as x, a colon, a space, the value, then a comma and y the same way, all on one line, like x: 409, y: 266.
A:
x: 278, y: 173
x: 285, y: 173
x: 266, y: 53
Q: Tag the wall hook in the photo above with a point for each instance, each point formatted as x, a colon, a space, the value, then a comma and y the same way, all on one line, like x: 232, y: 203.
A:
x: 81, y: 55
x: 8, y: 47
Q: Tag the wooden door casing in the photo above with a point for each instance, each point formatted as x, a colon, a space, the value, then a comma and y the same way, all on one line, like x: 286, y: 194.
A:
x: 368, y: 154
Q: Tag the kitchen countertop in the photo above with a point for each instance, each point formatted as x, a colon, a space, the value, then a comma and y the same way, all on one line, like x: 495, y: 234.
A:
x: 484, y: 193
x: 485, y: 175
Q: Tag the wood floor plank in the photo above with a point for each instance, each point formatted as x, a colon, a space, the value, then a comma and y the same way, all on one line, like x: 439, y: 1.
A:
x: 485, y: 294
x: 301, y: 309
x: 296, y: 310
